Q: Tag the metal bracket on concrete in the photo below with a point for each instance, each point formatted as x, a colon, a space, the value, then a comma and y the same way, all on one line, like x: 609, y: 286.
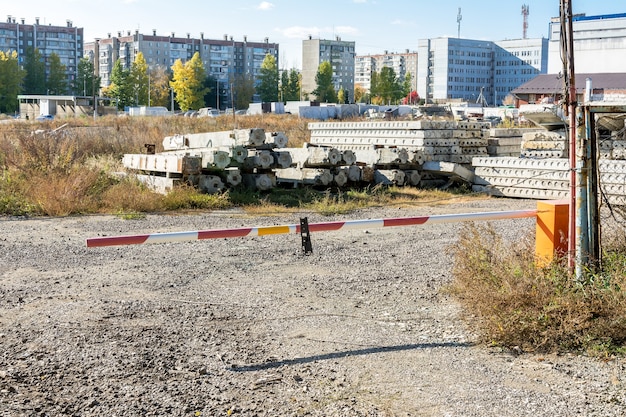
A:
x: 307, y: 247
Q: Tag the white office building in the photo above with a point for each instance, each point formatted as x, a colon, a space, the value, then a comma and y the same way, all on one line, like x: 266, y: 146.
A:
x: 599, y: 44
x: 477, y: 71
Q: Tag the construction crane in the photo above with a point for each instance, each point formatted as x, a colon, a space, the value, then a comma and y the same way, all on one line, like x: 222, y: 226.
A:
x: 459, y: 17
x: 525, y: 13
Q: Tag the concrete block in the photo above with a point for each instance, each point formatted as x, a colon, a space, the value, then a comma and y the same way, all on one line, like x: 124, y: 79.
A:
x: 517, y: 141
x: 210, y: 184
x: 165, y: 163
x: 389, y: 177
x: 449, y: 169
x: 261, y: 182
x: 159, y: 184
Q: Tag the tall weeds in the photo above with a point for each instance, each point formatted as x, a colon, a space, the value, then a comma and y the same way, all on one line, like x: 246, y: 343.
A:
x: 516, y: 304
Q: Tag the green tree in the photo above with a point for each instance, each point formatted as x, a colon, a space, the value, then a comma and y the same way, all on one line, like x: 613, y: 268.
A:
x: 407, y: 86
x: 11, y: 77
x: 188, y: 83
x: 268, y: 80
x: 120, y: 87
x: 284, y: 85
x: 325, y: 91
x: 292, y: 92
x: 35, y: 77
x: 86, y: 83
x: 386, y: 88
x: 160, y: 87
x: 139, y: 80
x: 243, y: 90
x: 213, y: 87
x: 56, y: 83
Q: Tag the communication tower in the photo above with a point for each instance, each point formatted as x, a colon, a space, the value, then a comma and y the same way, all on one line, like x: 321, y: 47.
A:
x: 458, y: 21
x: 525, y: 13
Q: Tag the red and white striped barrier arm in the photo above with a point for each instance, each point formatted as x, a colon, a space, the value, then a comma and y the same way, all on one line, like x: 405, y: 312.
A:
x: 313, y: 227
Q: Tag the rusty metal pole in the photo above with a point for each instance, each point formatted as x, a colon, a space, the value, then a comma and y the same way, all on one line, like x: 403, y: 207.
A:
x: 567, y: 46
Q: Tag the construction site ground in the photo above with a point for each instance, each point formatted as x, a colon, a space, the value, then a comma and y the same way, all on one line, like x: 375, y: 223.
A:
x: 253, y: 327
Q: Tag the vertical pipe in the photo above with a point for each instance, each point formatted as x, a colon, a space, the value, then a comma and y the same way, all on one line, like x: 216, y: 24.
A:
x: 588, y: 90
x: 592, y: 198
x: 582, y: 224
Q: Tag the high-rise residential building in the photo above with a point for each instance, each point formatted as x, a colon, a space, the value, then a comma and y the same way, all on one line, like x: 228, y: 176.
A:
x: 65, y: 41
x: 339, y: 53
x: 403, y: 64
x: 599, y: 44
x: 223, y: 59
x: 477, y: 71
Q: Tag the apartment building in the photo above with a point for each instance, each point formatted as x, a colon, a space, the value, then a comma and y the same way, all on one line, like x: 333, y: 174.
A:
x: 477, y: 71
x: 223, y: 58
x: 341, y: 56
x: 403, y: 64
x: 66, y: 41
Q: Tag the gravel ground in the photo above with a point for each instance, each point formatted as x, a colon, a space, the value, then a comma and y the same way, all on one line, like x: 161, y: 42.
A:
x: 253, y: 327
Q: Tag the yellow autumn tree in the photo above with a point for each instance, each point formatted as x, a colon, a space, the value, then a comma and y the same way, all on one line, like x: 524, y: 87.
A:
x: 188, y: 83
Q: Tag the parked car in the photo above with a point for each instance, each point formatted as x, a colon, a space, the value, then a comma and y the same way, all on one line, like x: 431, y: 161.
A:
x: 208, y: 112
x: 45, y: 117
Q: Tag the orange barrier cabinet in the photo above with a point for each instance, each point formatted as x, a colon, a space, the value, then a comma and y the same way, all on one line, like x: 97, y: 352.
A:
x: 552, y: 230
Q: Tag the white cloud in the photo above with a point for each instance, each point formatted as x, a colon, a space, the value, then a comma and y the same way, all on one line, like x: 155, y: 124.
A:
x: 359, y: 1
x: 265, y: 5
x: 302, y: 32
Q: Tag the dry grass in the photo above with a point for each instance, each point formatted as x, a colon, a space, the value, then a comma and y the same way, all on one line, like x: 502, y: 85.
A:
x: 64, y: 167
x: 516, y: 304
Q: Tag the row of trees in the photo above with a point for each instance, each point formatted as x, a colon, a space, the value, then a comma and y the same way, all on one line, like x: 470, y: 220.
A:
x: 385, y: 88
x: 191, y: 88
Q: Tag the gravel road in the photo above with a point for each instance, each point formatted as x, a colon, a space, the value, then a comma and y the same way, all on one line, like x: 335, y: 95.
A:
x: 253, y: 327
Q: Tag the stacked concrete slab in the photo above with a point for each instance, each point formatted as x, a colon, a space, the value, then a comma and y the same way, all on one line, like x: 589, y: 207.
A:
x: 613, y: 146
x: 544, y: 144
x: 396, y: 150
x: 506, y: 142
x: 542, y: 179
x: 433, y: 140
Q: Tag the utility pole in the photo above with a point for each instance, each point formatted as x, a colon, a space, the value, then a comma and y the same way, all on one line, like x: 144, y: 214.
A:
x: 567, y: 53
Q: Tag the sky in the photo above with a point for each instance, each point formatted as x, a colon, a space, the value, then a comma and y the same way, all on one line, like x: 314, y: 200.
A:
x: 374, y: 25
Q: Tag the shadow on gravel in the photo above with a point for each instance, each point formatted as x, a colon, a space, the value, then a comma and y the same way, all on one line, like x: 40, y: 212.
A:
x: 336, y: 355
